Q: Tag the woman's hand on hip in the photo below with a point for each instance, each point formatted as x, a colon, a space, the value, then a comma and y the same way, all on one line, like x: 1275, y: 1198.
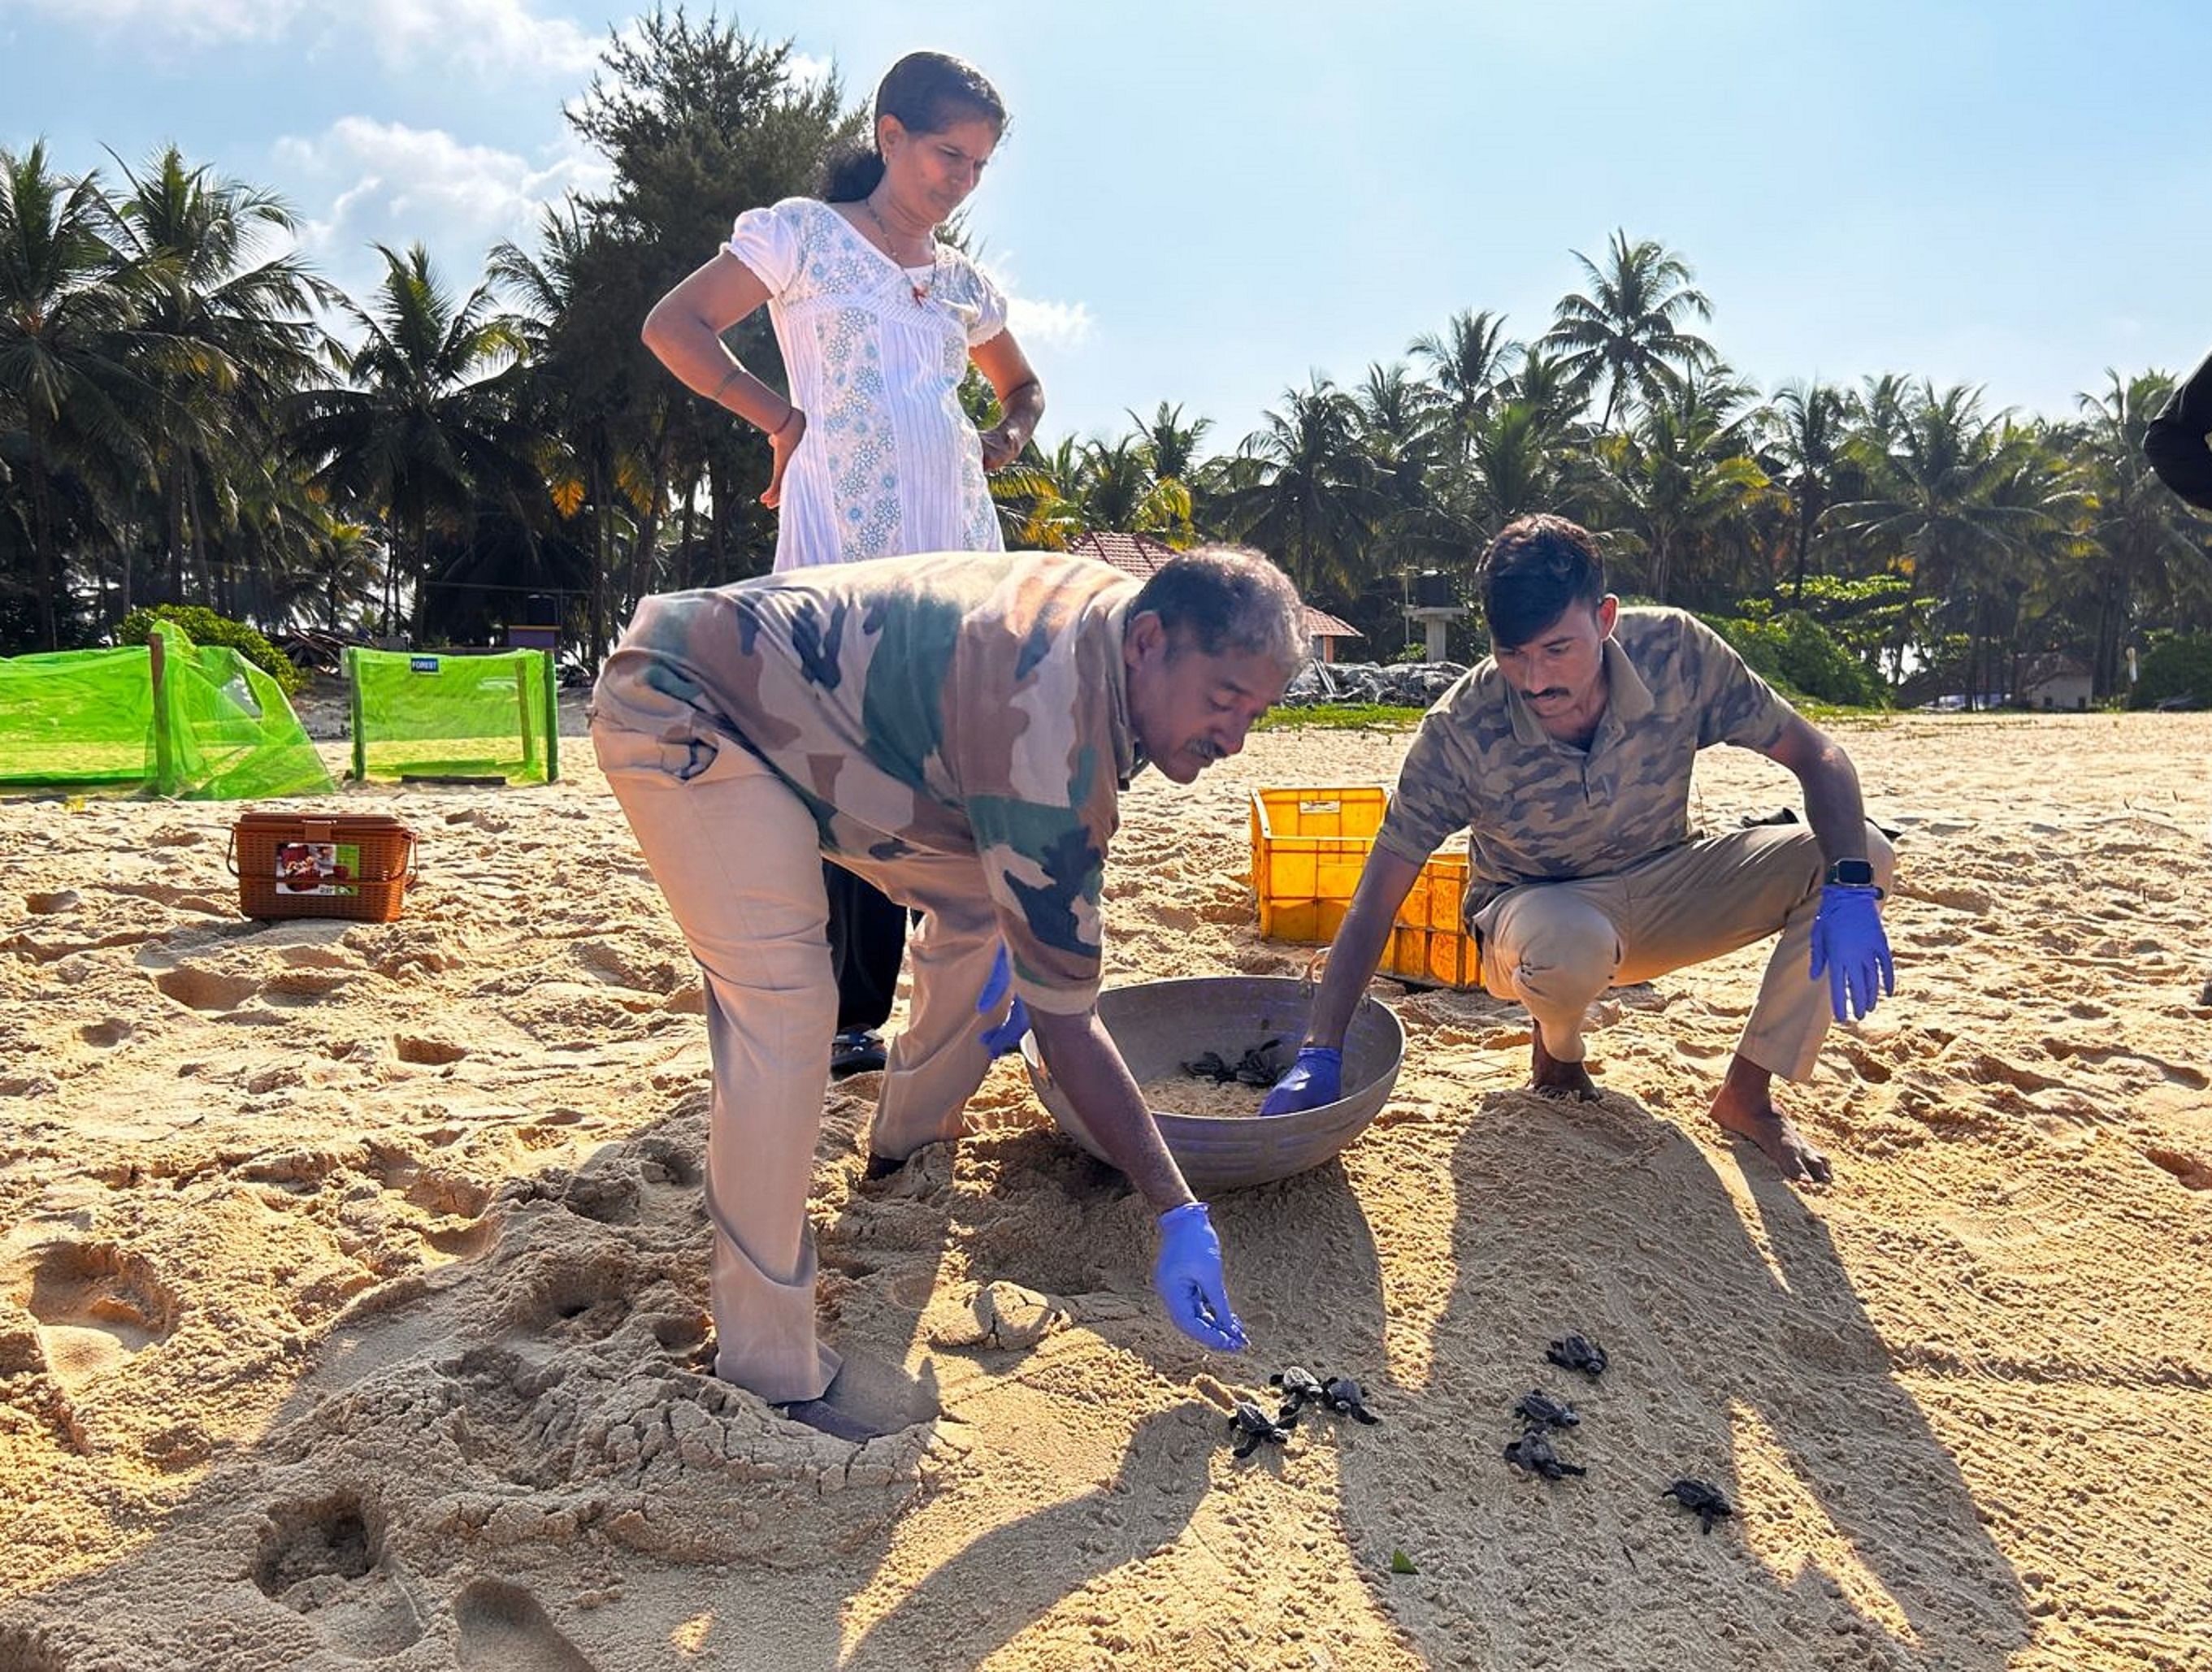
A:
x: 783, y: 444
x: 1002, y: 445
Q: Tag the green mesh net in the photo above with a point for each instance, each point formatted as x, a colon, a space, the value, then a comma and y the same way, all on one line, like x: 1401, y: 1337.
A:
x: 449, y: 716
x: 171, y: 718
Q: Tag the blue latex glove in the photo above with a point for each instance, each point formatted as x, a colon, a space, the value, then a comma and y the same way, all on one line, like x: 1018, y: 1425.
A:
x: 1005, y: 1036
x: 1849, y: 943
x: 1189, y: 1279
x: 1317, y: 1077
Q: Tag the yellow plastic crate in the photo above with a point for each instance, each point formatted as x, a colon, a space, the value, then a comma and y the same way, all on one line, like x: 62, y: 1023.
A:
x: 1429, y: 942
x: 1309, y: 847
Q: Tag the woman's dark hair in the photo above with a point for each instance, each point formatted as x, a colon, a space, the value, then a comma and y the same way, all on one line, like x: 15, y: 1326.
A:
x: 1536, y: 567
x: 928, y: 92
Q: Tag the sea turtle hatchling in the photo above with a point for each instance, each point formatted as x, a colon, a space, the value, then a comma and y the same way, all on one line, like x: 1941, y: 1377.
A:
x: 1702, y: 1498
x: 1299, y: 1388
x: 1533, y: 1451
x: 1574, y: 1353
x: 1539, y: 1407
x: 1211, y: 1066
x: 1251, y: 1425
x: 1346, y: 1398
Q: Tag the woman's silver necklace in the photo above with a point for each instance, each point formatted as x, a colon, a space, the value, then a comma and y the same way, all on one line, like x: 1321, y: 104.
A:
x: 920, y: 287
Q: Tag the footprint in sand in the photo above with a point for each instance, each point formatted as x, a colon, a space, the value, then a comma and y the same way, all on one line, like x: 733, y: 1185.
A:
x: 2193, y: 1173
x: 504, y: 1628
x: 96, y: 1306
x: 576, y: 1296
x: 199, y: 988
x: 24, y: 1650
x: 324, y: 1560
x: 429, y: 1052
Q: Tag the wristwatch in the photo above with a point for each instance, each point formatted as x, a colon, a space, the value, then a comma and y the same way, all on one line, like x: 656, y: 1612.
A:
x: 1851, y: 873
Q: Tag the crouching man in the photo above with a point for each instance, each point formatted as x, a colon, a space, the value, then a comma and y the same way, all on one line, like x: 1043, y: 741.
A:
x: 956, y: 731
x: 1567, y: 755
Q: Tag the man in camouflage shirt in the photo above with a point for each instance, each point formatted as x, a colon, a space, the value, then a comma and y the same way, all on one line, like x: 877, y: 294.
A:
x: 957, y: 729
x: 1567, y: 756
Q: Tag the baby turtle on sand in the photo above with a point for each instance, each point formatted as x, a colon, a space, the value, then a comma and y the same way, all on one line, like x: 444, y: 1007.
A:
x: 1533, y: 1451
x: 1256, y: 1067
x: 1251, y: 1425
x: 1573, y: 1353
x: 1702, y: 1498
x: 1346, y: 1398
x: 1539, y: 1407
x: 1300, y: 1388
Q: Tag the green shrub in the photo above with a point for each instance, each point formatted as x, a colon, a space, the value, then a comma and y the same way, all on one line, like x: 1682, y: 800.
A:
x: 2175, y: 665
x: 206, y: 627
x: 1791, y: 649
x: 1408, y: 654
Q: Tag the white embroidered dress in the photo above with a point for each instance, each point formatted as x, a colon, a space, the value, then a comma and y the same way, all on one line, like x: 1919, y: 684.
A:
x: 889, y: 464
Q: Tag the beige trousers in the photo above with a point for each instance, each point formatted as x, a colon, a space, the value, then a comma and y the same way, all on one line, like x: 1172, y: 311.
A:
x: 735, y: 855
x: 1556, y: 946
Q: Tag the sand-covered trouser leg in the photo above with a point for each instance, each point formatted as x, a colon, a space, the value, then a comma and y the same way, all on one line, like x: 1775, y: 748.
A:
x: 938, y: 1059
x: 736, y: 854
x: 1555, y: 947
x: 1709, y: 898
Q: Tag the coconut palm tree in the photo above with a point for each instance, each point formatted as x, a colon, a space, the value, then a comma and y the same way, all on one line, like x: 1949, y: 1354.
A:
x: 1629, y: 331
x: 1951, y: 501
x: 1681, y: 477
x: 231, y: 336
x: 423, y: 421
x: 1311, y: 494
x: 1468, y: 362
x: 1805, y: 442
x: 2144, y: 549
x: 70, y: 350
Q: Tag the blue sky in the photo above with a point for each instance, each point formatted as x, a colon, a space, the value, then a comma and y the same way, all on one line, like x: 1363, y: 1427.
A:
x: 1204, y: 203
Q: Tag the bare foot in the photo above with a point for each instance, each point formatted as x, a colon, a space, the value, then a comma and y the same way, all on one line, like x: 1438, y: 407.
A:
x: 1549, y: 1077
x: 1749, y: 1112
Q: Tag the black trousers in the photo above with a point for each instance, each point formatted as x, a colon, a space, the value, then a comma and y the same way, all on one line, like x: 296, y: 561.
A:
x: 867, y: 943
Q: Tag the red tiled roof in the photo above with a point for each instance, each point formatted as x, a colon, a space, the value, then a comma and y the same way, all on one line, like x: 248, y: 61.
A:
x: 1140, y: 555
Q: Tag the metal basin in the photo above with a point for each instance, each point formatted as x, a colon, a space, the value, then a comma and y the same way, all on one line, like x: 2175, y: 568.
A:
x: 1159, y: 1025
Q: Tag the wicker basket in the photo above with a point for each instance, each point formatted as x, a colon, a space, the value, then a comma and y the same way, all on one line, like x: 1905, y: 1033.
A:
x: 295, y: 865
x: 1158, y: 1024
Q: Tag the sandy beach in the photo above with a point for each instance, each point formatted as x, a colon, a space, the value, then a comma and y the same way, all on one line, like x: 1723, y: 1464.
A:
x: 352, y: 1281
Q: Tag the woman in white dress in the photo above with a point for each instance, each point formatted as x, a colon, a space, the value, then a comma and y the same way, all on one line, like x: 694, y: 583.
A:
x: 873, y: 455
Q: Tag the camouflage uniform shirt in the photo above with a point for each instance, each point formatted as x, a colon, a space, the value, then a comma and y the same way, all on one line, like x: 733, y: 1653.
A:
x: 1539, y: 810
x: 952, y: 704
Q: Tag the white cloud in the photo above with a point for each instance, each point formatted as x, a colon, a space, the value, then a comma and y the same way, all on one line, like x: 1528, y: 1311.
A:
x: 485, y: 34
x: 1055, y: 324
x: 1034, y: 320
x: 396, y: 185
x: 804, y: 70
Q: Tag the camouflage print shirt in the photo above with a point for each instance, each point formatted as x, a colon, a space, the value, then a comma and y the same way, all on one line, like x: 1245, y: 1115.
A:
x: 1537, y: 809
x: 952, y: 704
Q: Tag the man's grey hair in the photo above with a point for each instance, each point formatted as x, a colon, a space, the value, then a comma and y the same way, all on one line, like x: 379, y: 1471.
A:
x: 1227, y: 600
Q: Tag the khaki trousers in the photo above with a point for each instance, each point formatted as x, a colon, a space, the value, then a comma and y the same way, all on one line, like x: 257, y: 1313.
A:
x: 735, y: 855
x: 1556, y: 946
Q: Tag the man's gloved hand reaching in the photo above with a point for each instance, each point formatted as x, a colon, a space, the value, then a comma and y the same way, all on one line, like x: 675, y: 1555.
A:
x: 1850, y: 944
x: 1189, y: 1279
x: 1316, y: 1078
x: 1002, y: 1037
